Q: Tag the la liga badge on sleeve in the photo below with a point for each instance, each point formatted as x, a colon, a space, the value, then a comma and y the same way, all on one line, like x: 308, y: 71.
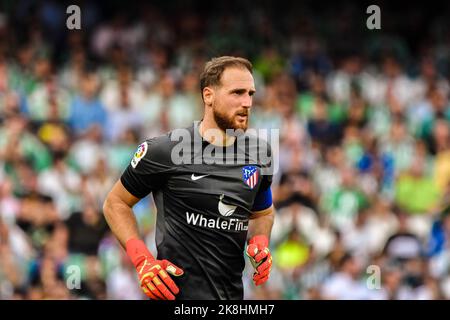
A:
x: 139, y: 154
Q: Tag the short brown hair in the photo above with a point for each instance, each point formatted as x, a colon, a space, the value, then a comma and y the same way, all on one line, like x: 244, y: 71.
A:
x: 215, y: 67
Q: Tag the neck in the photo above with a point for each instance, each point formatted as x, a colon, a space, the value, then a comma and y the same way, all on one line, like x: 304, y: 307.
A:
x: 210, y: 131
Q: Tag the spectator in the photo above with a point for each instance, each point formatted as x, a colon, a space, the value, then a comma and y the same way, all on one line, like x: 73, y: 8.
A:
x: 86, y: 109
x: 63, y: 184
x: 344, y: 203
x: 415, y: 192
x: 86, y: 229
x: 344, y: 284
x: 403, y: 245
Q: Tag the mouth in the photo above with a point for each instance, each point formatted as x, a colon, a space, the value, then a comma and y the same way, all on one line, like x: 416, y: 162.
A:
x: 241, y: 118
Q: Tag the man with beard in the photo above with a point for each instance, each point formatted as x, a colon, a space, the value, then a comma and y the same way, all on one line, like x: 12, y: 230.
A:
x: 209, y: 212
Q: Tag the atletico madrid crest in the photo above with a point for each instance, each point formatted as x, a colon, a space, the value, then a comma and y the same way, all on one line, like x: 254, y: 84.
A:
x: 250, y: 175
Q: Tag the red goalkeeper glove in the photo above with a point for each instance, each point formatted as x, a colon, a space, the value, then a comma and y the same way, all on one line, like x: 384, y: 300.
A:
x: 153, y: 277
x: 260, y: 257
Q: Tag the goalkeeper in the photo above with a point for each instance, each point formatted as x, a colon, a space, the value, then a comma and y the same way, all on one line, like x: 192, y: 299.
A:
x: 209, y: 213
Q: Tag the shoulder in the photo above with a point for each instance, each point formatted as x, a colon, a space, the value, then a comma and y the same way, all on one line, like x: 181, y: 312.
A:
x: 159, y: 149
x: 260, y: 149
x: 259, y: 140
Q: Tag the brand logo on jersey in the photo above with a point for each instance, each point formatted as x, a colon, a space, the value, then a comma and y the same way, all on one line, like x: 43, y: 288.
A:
x: 219, y: 223
x: 250, y: 175
x: 139, y: 154
x: 194, y: 177
x: 225, y: 209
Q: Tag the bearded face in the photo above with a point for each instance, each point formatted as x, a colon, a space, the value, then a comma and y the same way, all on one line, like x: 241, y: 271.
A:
x: 232, y: 100
x: 227, y: 120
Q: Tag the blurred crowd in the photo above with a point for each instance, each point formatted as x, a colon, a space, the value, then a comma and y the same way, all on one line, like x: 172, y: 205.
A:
x: 362, y: 195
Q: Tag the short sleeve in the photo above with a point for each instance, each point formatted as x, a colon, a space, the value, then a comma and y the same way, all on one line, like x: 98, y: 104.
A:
x: 147, y: 169
x: 263, y: 199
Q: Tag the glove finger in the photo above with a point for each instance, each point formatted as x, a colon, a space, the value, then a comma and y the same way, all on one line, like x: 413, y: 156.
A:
x: 259, y: 276
x: 149, y: 273
x: 168, y: 281
x: 154, y: 290
x: 261, y: 281
x: 265, y: 265
x: 148, y: 293
x: 262, y: 254
x: 252, y: 250
x: 167, y: 295
x: 172, y: 269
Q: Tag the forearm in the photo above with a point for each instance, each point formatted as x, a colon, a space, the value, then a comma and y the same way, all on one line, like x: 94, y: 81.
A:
x: 121, y: 220
x: 153, y: 274
x: 261, y: 225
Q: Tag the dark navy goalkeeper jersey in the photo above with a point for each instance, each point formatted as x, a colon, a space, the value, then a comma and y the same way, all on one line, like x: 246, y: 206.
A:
x: 203, y: 206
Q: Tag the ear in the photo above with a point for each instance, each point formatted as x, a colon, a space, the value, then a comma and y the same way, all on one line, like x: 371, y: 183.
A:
x: 208, y: 96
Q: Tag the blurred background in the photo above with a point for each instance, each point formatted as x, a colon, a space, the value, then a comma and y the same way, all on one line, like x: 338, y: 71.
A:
x: 362, y: 194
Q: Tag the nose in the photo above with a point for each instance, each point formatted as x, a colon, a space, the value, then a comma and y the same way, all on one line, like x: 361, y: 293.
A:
x: 247, y: 101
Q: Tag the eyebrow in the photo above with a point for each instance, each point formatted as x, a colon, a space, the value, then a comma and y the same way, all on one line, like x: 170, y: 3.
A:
x: 239, y: 90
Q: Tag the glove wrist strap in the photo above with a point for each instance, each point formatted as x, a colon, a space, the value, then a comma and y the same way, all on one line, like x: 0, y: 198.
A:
x: 137, y: 251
